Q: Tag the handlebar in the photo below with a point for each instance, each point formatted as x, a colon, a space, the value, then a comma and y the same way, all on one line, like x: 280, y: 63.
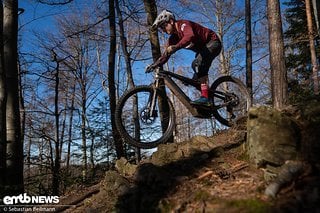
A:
x: 148, y: 69
x: 151, y: 68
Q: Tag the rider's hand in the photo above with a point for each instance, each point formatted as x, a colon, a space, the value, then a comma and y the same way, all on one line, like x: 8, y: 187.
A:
x: 171, y: 49
x: 150, y: 67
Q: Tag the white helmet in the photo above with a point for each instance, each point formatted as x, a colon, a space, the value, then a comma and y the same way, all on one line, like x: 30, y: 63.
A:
x: 162, y: 18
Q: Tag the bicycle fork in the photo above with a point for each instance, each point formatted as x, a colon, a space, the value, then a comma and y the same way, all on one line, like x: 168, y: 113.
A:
x: 152, y: 101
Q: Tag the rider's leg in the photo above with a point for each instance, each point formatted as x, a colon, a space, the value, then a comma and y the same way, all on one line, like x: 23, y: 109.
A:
x: 201, y: 74
x: 203, y: 79
x: 201, y: 66
x: 204, y: 86
x: 204, y: 98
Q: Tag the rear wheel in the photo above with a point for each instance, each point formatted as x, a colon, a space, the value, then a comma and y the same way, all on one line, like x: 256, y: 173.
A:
x: 231, y: 98
x: 138, y: 123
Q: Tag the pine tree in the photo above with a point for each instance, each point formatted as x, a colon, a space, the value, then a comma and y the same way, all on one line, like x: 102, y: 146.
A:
x: 298, y: 59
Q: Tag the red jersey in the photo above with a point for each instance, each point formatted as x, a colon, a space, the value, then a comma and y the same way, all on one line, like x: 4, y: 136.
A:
x: 189, y: 35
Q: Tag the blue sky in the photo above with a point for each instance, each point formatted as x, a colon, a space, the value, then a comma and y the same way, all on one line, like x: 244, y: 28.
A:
x: 38, y: 17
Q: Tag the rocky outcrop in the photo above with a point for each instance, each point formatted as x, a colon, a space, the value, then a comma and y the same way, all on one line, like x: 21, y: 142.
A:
x: 138, y: 188
x: 272, y: 138
x: 285, y: 143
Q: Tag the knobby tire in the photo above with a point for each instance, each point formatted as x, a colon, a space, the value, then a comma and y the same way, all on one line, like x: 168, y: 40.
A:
x: 150, y: 135
x: 241, y: 92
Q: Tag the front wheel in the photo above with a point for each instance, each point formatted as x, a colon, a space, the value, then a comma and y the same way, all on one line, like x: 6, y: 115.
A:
x: 231, y: 100
x: 139, y: 120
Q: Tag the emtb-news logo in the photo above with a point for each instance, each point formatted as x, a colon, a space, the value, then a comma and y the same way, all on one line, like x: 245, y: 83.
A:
x: 26, y: 199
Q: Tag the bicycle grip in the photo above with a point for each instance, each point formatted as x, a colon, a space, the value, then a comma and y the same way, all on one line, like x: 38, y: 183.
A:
x: 149, y: 68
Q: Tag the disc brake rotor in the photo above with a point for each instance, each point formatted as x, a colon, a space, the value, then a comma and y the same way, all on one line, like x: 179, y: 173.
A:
x: 146, y: 118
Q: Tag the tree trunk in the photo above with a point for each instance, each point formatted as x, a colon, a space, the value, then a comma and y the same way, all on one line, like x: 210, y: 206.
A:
x: 70, y: 127
x: 14, y: 170
x: 112, y: 89
x: 279, y: 82
x: 21, y: 104
x: 92, y: 152
x: 124, y: 45
x: 151, y: 9
x: 316, y: 12
x: 248, y: 47
x: 56, y: 163
x: 3, y: 97
x: 63, y: 127
x: 224, y: 62
x: 84, y: 139
x: 28, y: 160
x: 312, y: 49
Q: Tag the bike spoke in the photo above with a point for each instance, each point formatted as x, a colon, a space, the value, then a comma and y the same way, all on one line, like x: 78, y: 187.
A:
x: 136, y: 120
x: 231, y: 100
x: 140, y: 124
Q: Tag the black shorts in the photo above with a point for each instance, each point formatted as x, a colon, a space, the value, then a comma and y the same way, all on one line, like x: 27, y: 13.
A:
x: 204, y: 58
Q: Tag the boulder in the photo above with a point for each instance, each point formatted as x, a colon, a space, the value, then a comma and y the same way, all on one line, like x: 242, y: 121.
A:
x: 272, y: 137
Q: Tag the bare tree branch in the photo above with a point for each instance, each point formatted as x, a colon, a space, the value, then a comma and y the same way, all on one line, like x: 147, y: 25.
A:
x: 55, y: 3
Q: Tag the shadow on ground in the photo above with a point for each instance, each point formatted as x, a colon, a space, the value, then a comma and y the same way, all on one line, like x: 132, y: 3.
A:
x: 153, y: 183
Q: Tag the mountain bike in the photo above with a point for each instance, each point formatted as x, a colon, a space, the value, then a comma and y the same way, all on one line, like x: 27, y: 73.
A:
x: 141, y: 123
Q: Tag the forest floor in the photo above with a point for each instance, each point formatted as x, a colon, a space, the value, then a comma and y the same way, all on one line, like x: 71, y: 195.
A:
x: 216, y: 183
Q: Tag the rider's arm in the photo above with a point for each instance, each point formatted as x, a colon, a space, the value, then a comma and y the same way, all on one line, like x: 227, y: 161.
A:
x: 162, y: 60
x: 176, y: 44
x: 188, y: 35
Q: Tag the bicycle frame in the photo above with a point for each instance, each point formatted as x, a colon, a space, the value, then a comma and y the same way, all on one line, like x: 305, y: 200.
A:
x: 175, y: 89
x: 145, y: 116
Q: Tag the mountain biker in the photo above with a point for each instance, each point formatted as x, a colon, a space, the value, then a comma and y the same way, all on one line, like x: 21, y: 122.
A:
x: 189, y: 35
